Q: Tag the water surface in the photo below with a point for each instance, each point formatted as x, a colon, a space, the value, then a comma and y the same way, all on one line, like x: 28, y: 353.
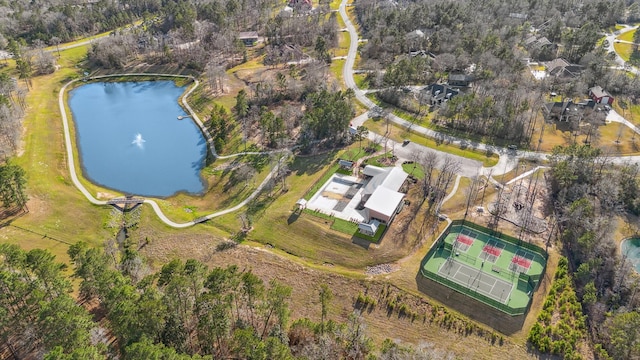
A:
x: 630, y: 249
x: 130, y: 139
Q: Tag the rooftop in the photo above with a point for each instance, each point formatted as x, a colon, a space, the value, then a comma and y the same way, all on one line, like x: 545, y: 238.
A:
x: 384, y: 201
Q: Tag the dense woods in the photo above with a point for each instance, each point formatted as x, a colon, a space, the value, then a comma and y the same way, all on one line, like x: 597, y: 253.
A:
x: 184, y: 311
x: 422, y: 42
x: 587, y: 193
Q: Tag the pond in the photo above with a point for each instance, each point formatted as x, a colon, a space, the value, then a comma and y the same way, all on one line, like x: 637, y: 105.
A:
x: 630, y: 248
x: 130, y: 139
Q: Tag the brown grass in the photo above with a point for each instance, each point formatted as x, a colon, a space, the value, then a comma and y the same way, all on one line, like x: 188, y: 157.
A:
x: 380, y: 323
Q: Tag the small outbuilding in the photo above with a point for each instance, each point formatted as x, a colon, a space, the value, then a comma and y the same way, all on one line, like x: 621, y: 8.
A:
x: 369, y: 228
x: 301, y: 204
x: 600, y: 96
x: 345, y: 164
x: 248, y: 38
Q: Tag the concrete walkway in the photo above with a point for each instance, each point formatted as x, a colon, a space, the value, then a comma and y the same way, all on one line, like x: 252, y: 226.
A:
x: 154, y: 205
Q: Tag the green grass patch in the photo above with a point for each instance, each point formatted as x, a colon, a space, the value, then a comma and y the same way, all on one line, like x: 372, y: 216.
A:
x: 414, y: 170
x: 624, y: 50
x: 375, y: 238
x: 336, y: 70
x: 377, y: 160
x: 627, y: 36
x: 344, y: 226
x: 361, y: 81
x: 354, y: 154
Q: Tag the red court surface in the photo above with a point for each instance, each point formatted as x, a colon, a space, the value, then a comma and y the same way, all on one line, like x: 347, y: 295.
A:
x: 465, y: 239
x: 492, y: 250
x: 525, y: 263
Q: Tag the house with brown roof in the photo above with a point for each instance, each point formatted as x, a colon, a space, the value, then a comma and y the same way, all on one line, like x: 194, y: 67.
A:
x: 562, y: 68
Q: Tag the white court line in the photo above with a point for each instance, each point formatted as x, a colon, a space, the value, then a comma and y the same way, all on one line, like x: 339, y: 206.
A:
x: 475, y: 277
x: 493, y: 287
x: 480, y: 280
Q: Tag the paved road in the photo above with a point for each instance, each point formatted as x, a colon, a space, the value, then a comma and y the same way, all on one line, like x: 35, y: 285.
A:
x: 611, y: 38
x: 508, y: 158
x: 468, y: 167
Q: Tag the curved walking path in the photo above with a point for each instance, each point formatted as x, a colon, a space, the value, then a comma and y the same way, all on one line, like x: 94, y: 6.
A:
x: 154, y: 205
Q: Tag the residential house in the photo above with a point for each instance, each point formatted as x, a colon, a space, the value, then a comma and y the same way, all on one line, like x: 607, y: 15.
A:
x: 534, y: 42
x: 600, y: 96
x: 300, y: 5
x: 562, y: 68
x: 381, y: 195
x: 572, y: 112
x: 459, y: 80
x: 249, y: 38
x: 563, y: 111
x: 438, y: 94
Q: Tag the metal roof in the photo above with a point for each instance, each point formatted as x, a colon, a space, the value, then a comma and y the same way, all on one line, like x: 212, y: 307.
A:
x: 384, y: 201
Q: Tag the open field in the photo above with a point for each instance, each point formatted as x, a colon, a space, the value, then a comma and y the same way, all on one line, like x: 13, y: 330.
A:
x: 627, y: 36
x: 624, y: 50
x: 381, y: 324
x: 612, y: 137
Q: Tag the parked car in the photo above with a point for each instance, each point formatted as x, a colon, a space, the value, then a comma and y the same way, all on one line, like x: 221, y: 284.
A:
x: 512, y: 147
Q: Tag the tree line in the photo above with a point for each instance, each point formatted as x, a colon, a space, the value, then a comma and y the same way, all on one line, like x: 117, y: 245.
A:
x: 588, y: 194
x: 183, y: 311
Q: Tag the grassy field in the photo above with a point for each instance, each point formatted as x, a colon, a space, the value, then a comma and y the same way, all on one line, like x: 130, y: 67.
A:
x: 628, y: 36
x: 624, y: 50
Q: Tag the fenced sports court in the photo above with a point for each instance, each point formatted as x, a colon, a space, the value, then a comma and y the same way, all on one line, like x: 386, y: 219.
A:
x: 476, y: 279
x: 498, y: 270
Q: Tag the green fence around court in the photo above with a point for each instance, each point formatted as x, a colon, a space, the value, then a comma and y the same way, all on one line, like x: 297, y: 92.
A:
x: 473, y: 294
x: 528, y: 283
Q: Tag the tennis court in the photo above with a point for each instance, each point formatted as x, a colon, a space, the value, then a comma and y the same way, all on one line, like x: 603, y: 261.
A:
x: 491, y: 267
x: 476, y: 280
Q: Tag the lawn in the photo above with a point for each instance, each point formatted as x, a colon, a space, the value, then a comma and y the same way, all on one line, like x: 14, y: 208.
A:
x: 624, y: 50
x: 336, y: 70
x: 398, y: 134
x: 414, y: 169
x: 628, y: 36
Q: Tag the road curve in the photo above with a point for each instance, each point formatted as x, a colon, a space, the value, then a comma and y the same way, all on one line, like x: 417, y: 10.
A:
x: 468, y: 167
x: 154, y: 205
x: 508, y: 158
